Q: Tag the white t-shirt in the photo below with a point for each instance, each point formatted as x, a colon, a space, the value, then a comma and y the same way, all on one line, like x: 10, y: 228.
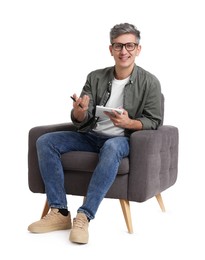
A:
x: 105, y: 125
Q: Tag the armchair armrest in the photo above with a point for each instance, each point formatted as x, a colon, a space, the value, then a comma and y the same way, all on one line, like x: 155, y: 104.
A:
x: 34, y: 178
x: 153, y: 162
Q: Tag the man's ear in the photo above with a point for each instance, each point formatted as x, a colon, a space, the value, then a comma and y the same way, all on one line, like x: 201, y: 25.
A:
x: 139, y: 47
x: 110, y: 48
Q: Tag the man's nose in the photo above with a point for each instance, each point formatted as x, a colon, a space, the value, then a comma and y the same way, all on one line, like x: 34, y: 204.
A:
x: 123, y: 49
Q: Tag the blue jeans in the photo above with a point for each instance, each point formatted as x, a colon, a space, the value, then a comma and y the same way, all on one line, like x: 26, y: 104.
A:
x: 51, y: 146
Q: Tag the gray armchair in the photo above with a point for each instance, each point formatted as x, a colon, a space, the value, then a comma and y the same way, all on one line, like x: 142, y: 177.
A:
x: 151, y: 167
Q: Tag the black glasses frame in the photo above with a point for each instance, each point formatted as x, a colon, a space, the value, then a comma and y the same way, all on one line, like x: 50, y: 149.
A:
x: 124, y: 44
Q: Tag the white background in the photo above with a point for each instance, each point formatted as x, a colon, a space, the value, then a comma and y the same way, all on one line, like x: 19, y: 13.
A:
x: 47, y: 48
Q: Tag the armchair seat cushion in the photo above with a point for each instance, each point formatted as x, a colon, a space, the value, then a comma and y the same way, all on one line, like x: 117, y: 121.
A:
x: 87, y: 161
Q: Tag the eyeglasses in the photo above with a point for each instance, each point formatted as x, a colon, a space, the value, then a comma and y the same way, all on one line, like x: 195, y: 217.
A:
x: 129, y: 46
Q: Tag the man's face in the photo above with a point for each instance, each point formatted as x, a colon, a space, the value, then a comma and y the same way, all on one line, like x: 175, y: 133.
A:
x: 124, y: 56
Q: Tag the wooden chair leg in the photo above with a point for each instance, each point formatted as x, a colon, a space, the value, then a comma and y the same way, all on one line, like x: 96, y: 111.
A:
x: 160, y: 201
x: 125, y: 205
x: 45, y: 209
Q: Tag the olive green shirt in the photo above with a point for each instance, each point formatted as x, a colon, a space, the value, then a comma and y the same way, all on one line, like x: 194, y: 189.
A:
x: 142, y: 97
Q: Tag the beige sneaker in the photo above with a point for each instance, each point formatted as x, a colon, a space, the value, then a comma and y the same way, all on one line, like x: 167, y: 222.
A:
x: 54, y: 220
x: 79, y: 233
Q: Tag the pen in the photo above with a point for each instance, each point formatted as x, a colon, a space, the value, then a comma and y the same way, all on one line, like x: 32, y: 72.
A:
x: 75, y: 101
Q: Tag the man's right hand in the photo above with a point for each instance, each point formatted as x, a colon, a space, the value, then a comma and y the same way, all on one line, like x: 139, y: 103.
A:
x: 80, y: 107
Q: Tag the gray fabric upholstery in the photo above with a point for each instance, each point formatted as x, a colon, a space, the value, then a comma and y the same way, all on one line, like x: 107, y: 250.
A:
x: 86, y: 162
x: 151, y: 167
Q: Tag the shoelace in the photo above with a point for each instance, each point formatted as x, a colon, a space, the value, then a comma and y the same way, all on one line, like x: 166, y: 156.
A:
x: 50, y: 215
x: 79, y: 223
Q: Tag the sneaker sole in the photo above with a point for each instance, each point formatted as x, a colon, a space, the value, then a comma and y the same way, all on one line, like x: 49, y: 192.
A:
x: 47, y: 229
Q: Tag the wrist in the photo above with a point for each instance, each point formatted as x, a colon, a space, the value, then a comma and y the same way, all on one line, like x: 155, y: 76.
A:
x: 134, y: 124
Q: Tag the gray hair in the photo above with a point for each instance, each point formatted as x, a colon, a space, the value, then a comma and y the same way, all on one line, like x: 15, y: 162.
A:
x: 124, y: 28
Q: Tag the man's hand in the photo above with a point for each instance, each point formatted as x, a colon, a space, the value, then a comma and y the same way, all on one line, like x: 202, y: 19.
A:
x: 80, y: 107
x: 123, y: 120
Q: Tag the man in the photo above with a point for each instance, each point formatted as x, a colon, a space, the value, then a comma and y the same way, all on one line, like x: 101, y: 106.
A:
x: 126, y: 86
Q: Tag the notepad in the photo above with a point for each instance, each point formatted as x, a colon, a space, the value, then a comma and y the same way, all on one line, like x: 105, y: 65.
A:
x: 101, y: 109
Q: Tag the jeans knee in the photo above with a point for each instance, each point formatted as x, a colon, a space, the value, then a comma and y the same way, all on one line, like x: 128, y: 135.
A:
x: 118, y: 146
x: 42, y: 141
x: 111, y: 146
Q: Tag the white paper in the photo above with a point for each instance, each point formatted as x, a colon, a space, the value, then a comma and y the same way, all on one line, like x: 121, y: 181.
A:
x: 101, y: 109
